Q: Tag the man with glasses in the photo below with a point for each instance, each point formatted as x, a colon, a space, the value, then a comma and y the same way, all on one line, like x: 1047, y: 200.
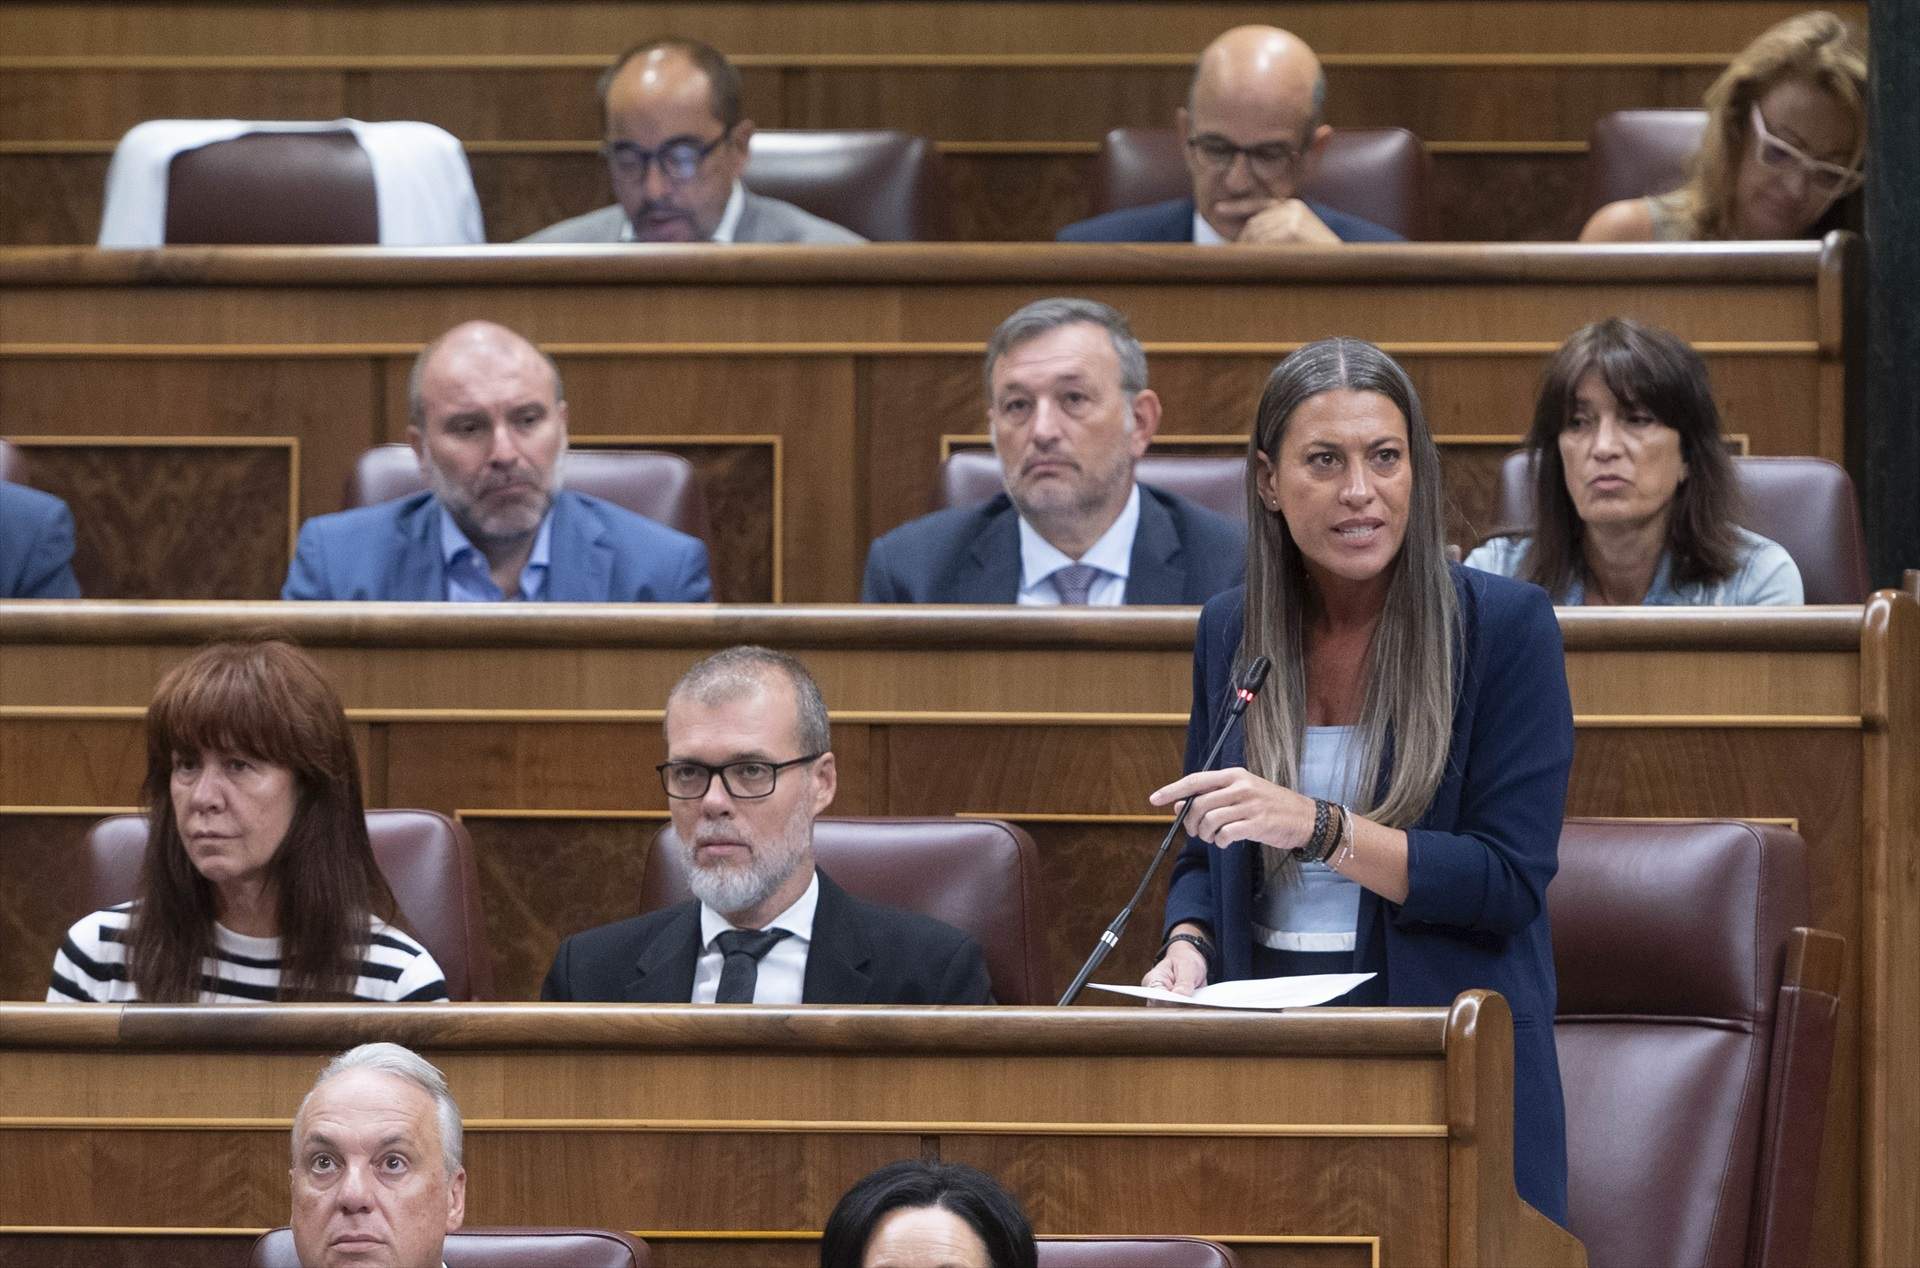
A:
x: 749, y: 767
x: 675, y: 145
x: 1252, y: 127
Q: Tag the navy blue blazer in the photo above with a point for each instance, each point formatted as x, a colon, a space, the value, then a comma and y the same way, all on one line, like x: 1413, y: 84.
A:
x: 598, y: 552
x: 36, y: 545
x: 1182, y: 553
x: 861, y: 953
x: 1173, y: 222
x: 1478, y: 861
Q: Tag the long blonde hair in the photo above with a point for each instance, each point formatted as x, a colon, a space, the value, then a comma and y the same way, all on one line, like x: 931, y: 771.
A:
x: 1406, y: 718
x: 1816, y: 47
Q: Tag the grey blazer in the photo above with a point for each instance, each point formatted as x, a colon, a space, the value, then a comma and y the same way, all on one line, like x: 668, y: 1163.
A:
x: 762, y: 219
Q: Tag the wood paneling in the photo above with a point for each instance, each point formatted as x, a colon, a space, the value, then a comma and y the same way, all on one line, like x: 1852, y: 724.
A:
x: 1369, y: 1136
x: 540, y: 728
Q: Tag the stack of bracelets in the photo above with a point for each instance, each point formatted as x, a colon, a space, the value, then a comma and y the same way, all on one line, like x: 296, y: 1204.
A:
x: 1332, y: 830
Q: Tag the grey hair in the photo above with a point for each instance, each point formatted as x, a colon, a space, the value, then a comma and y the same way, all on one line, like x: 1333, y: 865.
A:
x: 416, y: 377
x: 402, y: 1063
x: 1407, y: 709
x: 732, y: 673
x: 1043, y: 315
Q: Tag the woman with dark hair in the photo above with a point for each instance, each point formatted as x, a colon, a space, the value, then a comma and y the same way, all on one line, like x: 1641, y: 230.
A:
x: 1634, y: 497
x: 259, y: 882
x: 1393, y: 805
x: 913, y: 1214
x: 1786, y: 134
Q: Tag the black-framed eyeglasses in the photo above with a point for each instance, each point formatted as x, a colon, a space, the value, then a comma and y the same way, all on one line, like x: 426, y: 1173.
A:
x: 679, y: 160
x: 685, y: 781
x: 1269, y: 160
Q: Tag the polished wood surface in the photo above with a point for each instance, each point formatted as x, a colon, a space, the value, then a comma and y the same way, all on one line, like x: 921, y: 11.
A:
x: 537, y: 727
x: 815, y: 390
x: 1372, y: 1127
x: 1016, y: 95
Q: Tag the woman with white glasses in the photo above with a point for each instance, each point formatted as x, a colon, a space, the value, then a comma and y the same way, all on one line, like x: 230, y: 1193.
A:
x: 1786, y: 134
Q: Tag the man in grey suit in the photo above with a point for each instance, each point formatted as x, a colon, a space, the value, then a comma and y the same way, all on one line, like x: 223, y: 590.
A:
x: 675, y: 146
x: 1070, y: 414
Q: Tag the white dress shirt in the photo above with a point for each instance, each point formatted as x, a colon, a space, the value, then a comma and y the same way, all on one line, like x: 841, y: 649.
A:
x: 722, y: 232
x: 1204, y: 234
x: 1112, y: 554
x: 783, y: 969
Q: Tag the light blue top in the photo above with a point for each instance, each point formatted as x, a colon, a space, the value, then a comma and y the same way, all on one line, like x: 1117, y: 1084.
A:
x: 1321, y: 911
x: 470, y: 580
x: 1765, y: 573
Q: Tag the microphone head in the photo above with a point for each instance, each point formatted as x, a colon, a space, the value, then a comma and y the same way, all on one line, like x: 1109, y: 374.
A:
x: 1255, y: 676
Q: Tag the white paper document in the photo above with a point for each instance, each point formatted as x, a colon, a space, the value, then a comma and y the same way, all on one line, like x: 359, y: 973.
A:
x: 1259, y: 992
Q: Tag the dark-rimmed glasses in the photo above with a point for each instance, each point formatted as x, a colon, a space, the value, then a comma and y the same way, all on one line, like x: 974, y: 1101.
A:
x: 745, y: 780
x: 1269, y: 160
x: 679, y: 160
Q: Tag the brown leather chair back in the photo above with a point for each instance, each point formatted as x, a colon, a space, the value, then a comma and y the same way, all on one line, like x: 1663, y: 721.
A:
x: 1637, y: 153
x: 971, y: 476
x: 498, y: 1248
x: 981, y: 876
x: 274, y: 187
x: 1695, y: 1031
x: 426, y: 857
x: 13, y: 463
x: 1379, y: 174
x: 661, y: 486
x: 885, y: 186
x: 1132, y: 1252
x: 1805, y: 504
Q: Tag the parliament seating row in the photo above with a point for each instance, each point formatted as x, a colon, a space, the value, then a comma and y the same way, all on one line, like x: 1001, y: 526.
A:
x: 1016, y: 97
x: 815, y: 391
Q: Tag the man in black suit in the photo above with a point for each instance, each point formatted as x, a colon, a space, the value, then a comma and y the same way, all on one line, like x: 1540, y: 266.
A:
x: 1253, y: 132
x: 1070, y: 414
x: 749, y: 767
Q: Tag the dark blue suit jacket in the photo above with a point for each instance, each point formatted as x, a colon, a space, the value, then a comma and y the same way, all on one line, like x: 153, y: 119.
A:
x: 1182, y: 553
x: 599, y: 553
x: 1173, y: 222
x: 861, y: 953
x: 1478, y: 861
x: 36, y: 545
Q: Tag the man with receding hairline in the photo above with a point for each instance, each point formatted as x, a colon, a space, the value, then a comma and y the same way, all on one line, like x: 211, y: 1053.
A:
x: 1253, y: 127
x: 749, y: 767
x: 676, y: 145
x: 489, y: 428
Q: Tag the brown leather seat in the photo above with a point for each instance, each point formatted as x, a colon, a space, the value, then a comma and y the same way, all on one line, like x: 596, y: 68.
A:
x: 661, y: 486
x: 498, y: 1248
x: 971, y: 476
x: 885, y: 186
x: 981, y: 876
x: 1695, y: 1029
x: 1132, y: 1252
x: 274, y: 187
x: 426, y: 857
x: 1805, y: 504
x: 1636, y: 153
x: 1379, y: 174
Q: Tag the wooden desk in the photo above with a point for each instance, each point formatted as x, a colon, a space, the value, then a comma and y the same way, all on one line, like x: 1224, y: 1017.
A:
x: 537, y: 727
x: 196, y: 396
x: 1327, y: 1137
x: 1017, y: 95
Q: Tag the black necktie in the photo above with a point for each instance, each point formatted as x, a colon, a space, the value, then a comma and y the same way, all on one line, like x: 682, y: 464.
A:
x: 742, y: 949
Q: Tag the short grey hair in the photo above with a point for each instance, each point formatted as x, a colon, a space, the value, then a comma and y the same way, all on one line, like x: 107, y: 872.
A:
x: 402, y: 1063
x: 730, y: 674
x: 417, y: 377
x: 1043, y: 315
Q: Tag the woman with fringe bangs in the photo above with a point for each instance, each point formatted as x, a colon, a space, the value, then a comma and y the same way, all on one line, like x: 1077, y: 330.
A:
x: 259, y: 882
x: 1395, y: 805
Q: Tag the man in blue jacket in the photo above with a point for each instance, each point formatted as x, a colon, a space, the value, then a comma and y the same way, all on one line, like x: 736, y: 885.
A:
x: 36, y: 545
x: 489, y: 425
x: 1252, y: 127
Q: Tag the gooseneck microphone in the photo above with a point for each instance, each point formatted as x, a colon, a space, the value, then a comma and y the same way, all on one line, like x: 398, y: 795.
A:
x: 1244, y: 691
